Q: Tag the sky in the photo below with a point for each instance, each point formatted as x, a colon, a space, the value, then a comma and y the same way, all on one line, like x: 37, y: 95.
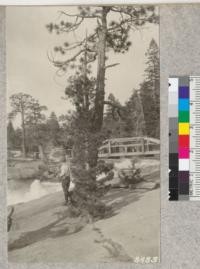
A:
x: 30, y: 71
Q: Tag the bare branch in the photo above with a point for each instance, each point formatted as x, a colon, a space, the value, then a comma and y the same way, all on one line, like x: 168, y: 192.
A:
x: 64, y: 63
x: 122, y: 10
x: 73, y: 27
x: 111, y: 65
x: 78, y: 44
x: 131, y: 18
x: 80, y: 16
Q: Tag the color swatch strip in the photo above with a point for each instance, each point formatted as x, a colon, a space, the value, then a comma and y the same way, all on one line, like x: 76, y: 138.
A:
x: 184, y: 138
x: 183, y: 135
x: 179, y: 138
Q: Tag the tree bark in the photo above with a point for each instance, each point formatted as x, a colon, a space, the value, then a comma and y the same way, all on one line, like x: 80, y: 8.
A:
x: 100, y: 85
x: 100, y: 88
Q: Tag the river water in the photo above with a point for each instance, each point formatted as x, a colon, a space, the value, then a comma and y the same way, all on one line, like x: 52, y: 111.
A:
x: 20, y: 191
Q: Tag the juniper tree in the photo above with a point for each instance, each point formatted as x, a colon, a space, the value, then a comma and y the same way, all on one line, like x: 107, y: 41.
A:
x: 86, y: 89
x: 108, y: 35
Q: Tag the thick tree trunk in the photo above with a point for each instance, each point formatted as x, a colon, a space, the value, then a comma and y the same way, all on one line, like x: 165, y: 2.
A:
x: 86, y: 146
x: 100, y: 89
x: 100, y: 85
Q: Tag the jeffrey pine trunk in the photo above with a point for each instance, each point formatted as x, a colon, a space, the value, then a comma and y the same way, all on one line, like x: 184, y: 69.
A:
x: 100, y: 87
x: 100, y: 92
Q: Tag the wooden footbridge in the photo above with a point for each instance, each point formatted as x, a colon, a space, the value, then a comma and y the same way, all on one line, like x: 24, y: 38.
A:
x: 129, y: 147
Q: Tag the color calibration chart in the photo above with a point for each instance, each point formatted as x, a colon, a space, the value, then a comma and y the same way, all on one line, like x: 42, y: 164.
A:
x: 184, y: 138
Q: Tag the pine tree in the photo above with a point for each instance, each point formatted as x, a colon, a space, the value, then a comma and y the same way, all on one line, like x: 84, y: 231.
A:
x: 11, y: 135
x: 152, y: 70
x: 108, y: 35
x: 135, y: 125
x: 21, y: 104
x: 54, y: 129
x: 36, y: 128
x: 150, y: 91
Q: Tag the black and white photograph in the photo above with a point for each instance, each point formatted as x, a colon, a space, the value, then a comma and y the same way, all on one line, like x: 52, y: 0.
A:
x: 83, y: 134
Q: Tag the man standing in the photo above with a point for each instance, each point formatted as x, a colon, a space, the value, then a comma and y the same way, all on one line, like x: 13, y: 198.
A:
x: 65, y: 177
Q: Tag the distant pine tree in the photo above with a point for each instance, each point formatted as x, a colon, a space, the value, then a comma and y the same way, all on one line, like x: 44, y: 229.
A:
x: 150, y: 91
x: 152, y: 70
x: 11, y: 136
x: 54, y: 129
x: 135, y: 125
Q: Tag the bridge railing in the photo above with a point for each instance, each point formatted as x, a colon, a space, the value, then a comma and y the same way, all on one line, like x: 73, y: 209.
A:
x: 133, y: 146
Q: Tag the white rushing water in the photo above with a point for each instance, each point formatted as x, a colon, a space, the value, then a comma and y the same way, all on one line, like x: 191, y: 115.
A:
x: 20, y: 191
